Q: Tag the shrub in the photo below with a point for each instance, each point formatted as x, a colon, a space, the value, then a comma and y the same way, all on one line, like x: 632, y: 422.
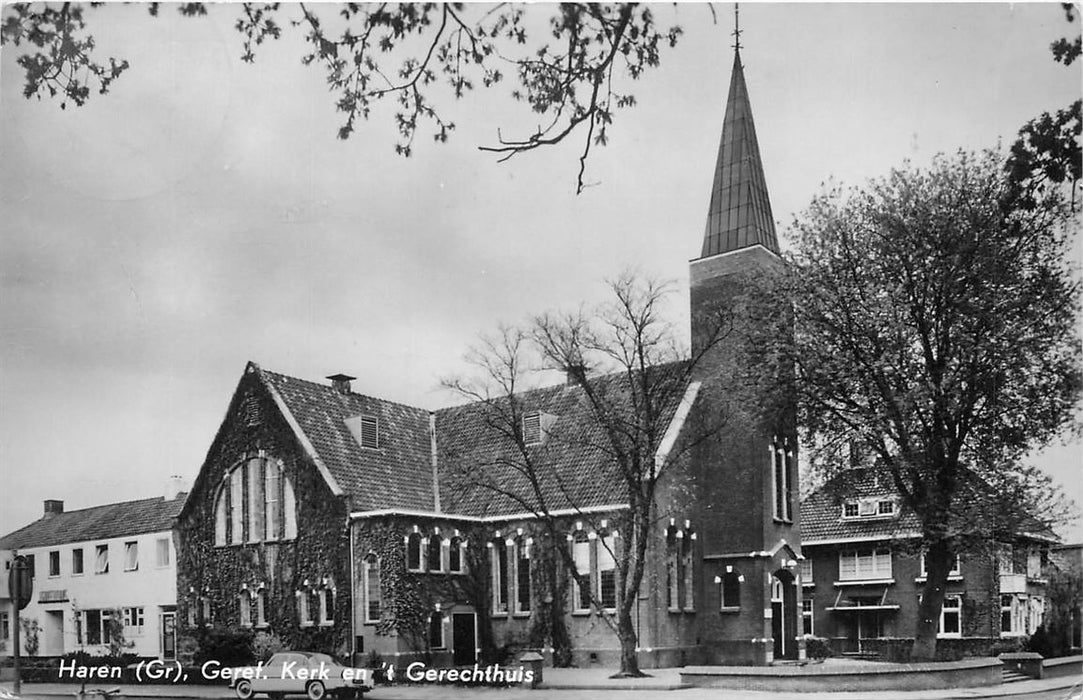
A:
x: 227, y: 646
x: 817, y: 648
x: 265, y: 645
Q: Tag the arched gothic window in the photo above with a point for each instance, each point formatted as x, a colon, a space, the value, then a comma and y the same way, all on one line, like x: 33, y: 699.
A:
x: 255, y: 503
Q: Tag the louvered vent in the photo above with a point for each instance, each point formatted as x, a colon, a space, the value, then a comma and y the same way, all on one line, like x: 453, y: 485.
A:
x: 370, y: 432
x: 253, y: 414
x: 532, y: 431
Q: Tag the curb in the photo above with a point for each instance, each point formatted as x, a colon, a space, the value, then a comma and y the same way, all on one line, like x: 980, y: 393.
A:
x: 613, y: 686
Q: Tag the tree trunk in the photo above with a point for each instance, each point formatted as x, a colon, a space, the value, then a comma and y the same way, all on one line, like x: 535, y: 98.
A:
x: 629, y: 659
x: 938, y: 560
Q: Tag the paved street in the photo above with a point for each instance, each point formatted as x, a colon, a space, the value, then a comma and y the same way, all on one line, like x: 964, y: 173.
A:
x: 594, y: 686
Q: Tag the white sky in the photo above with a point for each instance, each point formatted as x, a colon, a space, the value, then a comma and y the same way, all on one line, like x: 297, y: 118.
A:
x: 204, y: 214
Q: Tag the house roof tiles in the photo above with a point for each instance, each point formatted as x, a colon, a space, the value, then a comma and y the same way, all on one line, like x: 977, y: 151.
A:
x: 97, y: 523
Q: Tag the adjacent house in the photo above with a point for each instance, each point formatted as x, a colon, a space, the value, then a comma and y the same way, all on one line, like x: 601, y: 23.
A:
x: 103, y: 574
x: 864, y: 572
x: 328, y: 519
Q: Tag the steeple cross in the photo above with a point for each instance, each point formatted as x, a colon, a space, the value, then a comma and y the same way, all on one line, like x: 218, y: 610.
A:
x: 736, y: 26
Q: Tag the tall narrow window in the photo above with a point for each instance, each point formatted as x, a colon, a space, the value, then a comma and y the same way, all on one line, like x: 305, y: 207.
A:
x: 413, y: 552
x: 289, y: 510
x: 255, y: 479
x: 951, y: 617
x: 689, y: 573
x: 236, y: 504
x: 327, y: 606
x: 370, y: 574
x: 522, y: 576
x: 581, y: 558
x: 436, y: 553
x: 246, y: 609
x: 131, y: 556
x: 221, y: 515
x: 672, y: 579
x: 261, y: 608
x: 77, y: 561
x: 54, y: 563
x: 456, y: 559
x: 272, y: 501
x: 499, y: 575
x: 731, y: 590
x: 436, y: 630
x: 806, y: 616
x: 101, y: 559
x: 162, y: 555
x: 607, y: 571
x: 782, y: 458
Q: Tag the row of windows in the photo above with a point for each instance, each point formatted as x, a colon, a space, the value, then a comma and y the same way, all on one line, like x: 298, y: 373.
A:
x: 434, y: 553
x: 77, y: 565
x: 314, y: 607
x: 951, y: 617
x: 1020, y: 614
x: 509, y: 574
x: 94, y: 626
x: 870, y: 564
x: 255, y: 503
x: 869, y: 508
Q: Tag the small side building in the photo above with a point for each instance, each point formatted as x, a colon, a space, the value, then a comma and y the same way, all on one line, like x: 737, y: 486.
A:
x: 91, y: 568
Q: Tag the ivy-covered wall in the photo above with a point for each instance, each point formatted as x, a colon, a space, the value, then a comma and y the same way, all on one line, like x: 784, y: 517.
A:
x: 317, y: 558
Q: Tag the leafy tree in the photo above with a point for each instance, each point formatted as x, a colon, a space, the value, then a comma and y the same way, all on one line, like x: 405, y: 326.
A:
x: 630, y: 374
x: 936, y: 330
x: 568, y: 70
x: 1047, y: 152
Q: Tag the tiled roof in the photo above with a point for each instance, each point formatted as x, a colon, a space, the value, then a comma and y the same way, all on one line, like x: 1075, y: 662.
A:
x: 97, y: 523
x: 821, y: 512
x: 478, y: 462
x: 398, y: 474
x: 574, y: 470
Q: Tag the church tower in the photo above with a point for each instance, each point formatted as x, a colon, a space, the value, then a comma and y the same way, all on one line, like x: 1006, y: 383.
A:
x: 747, y: 476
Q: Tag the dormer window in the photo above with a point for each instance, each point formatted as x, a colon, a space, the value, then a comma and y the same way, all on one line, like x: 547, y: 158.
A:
x: 532, y: 432
x: 869, y: 508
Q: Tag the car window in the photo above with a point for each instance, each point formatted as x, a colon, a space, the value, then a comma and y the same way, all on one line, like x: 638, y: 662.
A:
x: 324, y: 658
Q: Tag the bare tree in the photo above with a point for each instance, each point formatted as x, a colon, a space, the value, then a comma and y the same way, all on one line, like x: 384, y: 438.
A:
x: 630, y: 376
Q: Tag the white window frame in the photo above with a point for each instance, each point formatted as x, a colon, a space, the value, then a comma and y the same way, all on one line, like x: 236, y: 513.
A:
x: 956, y: 567
x: 422, y: 542
x: 498, y: 553
x: 808, y: 613
x: 370, y: 569
x: 327, y: 607
x: 101, y: 559
x: 609, y: 556
x: 580, y: 546
x: 875, y: 570
x: 81, y: 558
x: 945, y: 610
x: 520, y: 553
x: 131, y: 556
x: 54, y: 557
x: 461, y: 546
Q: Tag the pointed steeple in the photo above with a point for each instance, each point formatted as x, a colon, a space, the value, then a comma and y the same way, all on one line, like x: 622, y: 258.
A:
x: 740, y: 212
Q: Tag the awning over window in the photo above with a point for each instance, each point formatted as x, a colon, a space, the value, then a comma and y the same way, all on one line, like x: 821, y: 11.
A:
x: 869, y: 601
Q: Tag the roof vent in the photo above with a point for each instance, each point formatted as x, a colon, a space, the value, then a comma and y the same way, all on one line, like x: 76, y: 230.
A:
x: 341, y: 382
x: 53, y: 508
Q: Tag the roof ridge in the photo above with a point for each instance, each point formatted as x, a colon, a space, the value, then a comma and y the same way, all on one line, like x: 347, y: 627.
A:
x: 330, y: 389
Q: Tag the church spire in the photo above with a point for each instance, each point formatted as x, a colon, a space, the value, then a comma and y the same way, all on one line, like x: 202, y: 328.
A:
x: 740, y: 211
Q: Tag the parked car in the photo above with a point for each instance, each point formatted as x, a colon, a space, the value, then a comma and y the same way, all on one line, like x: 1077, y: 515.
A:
x: 300, y: 673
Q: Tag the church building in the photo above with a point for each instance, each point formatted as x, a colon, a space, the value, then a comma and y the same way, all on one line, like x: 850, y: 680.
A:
x: 333, y: 521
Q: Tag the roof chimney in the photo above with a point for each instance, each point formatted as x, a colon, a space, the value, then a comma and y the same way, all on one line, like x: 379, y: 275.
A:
x: 174, y: 486
x: 341, y: 382
x: 53, y: 508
